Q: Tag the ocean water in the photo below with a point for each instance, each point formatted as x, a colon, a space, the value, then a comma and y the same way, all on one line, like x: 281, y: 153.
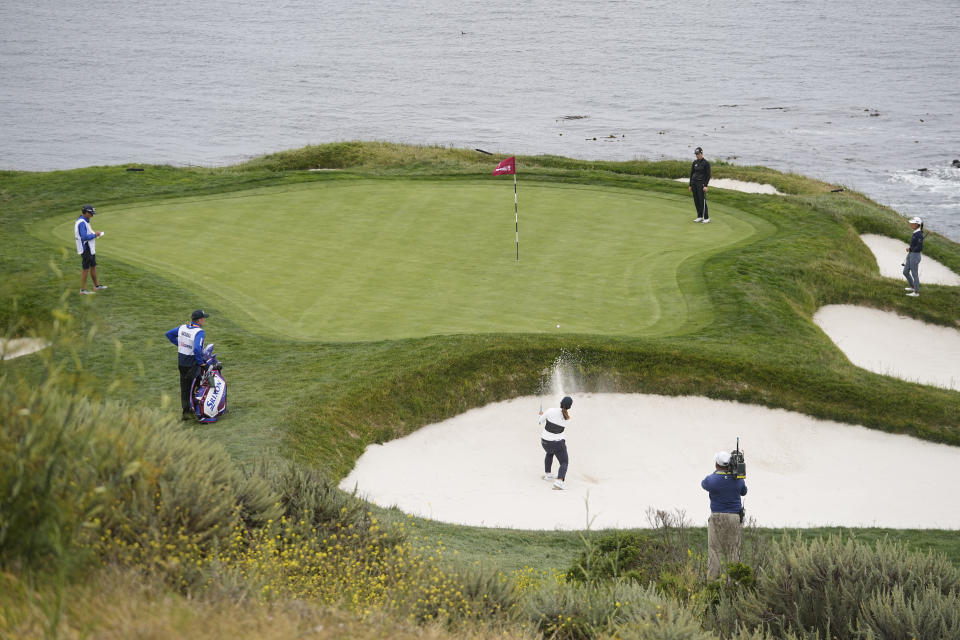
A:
x: 864, y: 93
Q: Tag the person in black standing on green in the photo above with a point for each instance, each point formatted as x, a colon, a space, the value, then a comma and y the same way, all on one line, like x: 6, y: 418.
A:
x: 699, y: 179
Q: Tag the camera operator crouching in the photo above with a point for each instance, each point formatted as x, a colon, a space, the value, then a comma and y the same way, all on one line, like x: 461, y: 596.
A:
x: 724, y: 528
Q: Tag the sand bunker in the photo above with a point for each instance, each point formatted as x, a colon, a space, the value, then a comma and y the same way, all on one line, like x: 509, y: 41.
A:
x: 739, y: 185
x: 632, y: 452
x: 16, y: 347
x: 892, y: 345
x: 890, y: 253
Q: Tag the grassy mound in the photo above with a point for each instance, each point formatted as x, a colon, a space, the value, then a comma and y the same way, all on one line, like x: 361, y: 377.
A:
x: 732, y: 320
x: 744, y: 311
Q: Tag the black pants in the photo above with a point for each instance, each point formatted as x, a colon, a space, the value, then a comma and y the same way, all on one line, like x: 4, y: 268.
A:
x: 700, y: 201
x: 187, y: 374
x: 87, y: 259
x: 555, y: 448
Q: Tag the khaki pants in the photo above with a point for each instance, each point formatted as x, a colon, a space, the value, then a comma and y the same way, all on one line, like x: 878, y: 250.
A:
x: 723, y: 542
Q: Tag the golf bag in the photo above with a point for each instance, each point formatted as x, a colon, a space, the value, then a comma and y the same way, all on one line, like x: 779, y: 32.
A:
x: 208, y: 395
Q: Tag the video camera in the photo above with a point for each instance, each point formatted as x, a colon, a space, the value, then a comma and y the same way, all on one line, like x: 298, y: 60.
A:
x: 738, y: 467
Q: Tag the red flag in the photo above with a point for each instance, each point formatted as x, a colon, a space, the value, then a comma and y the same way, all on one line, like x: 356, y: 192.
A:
x: 506, y: 167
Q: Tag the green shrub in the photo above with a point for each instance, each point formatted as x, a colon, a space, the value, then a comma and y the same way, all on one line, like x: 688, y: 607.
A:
x: 47, y: 491
x: 491, y: 594
x: 714, y: 596
x: 572, y: 611
x: 680, y: 585
x: 181, y: 488
x: 76, y: 474
x: 310, y: 497
x: 926, y: 614
x: 184, y: 491
x: 258, y: 500
x: 650, y: 619
x: 741, y: 573
x: 741, y: 633
x: 822, y: 587
x: 622, y: 554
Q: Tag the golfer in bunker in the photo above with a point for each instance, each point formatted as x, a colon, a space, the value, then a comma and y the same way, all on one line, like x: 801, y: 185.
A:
x: 554, y: 422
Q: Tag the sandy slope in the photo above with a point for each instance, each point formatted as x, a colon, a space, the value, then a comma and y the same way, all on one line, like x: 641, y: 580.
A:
x: 893, y: 345
x: 890, y: 254
x: 739, y: 185
x: 631, y: 452
x: 16, y: 347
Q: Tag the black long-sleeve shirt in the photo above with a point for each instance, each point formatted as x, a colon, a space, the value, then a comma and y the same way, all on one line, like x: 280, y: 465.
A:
x: 700, y: 172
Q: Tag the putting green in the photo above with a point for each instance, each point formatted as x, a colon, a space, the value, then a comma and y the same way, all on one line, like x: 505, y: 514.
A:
x: 369, y: 259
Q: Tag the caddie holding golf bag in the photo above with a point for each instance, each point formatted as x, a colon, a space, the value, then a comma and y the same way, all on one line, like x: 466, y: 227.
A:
x: 208, y: 397
x: 188, y: 339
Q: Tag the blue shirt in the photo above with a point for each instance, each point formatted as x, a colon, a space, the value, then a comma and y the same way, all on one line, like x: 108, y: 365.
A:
x: 725, y: 491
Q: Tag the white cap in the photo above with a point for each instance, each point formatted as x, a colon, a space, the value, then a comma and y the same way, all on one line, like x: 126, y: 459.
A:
x: 915, y: 220
x: 722, y: 458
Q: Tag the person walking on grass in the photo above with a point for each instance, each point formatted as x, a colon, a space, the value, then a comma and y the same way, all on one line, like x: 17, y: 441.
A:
x: 699, y: 179
x: 724, y: 528
x: 189, y: 339
x: 911, y: 266
x: 551, y: 439
x: 86, y: 239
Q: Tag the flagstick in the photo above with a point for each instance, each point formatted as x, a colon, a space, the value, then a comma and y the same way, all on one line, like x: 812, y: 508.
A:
x: 509, y: 165
x: 516, y: 218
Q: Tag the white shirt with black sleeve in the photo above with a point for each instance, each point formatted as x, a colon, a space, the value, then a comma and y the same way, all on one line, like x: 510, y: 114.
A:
x: 553, y: 424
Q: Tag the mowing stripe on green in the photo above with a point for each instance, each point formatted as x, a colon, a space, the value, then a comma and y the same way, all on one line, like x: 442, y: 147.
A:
x: 372, y: 259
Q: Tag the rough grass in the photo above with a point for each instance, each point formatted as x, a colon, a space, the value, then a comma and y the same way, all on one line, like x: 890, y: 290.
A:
x: 117, y: 604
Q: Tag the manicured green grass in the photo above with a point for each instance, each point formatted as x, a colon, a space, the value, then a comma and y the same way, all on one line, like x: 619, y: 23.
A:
x: 388, y: 259
x: 741, y: 331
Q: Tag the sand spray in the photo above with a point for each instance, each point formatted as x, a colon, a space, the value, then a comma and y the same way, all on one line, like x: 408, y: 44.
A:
x: 561, y: 378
